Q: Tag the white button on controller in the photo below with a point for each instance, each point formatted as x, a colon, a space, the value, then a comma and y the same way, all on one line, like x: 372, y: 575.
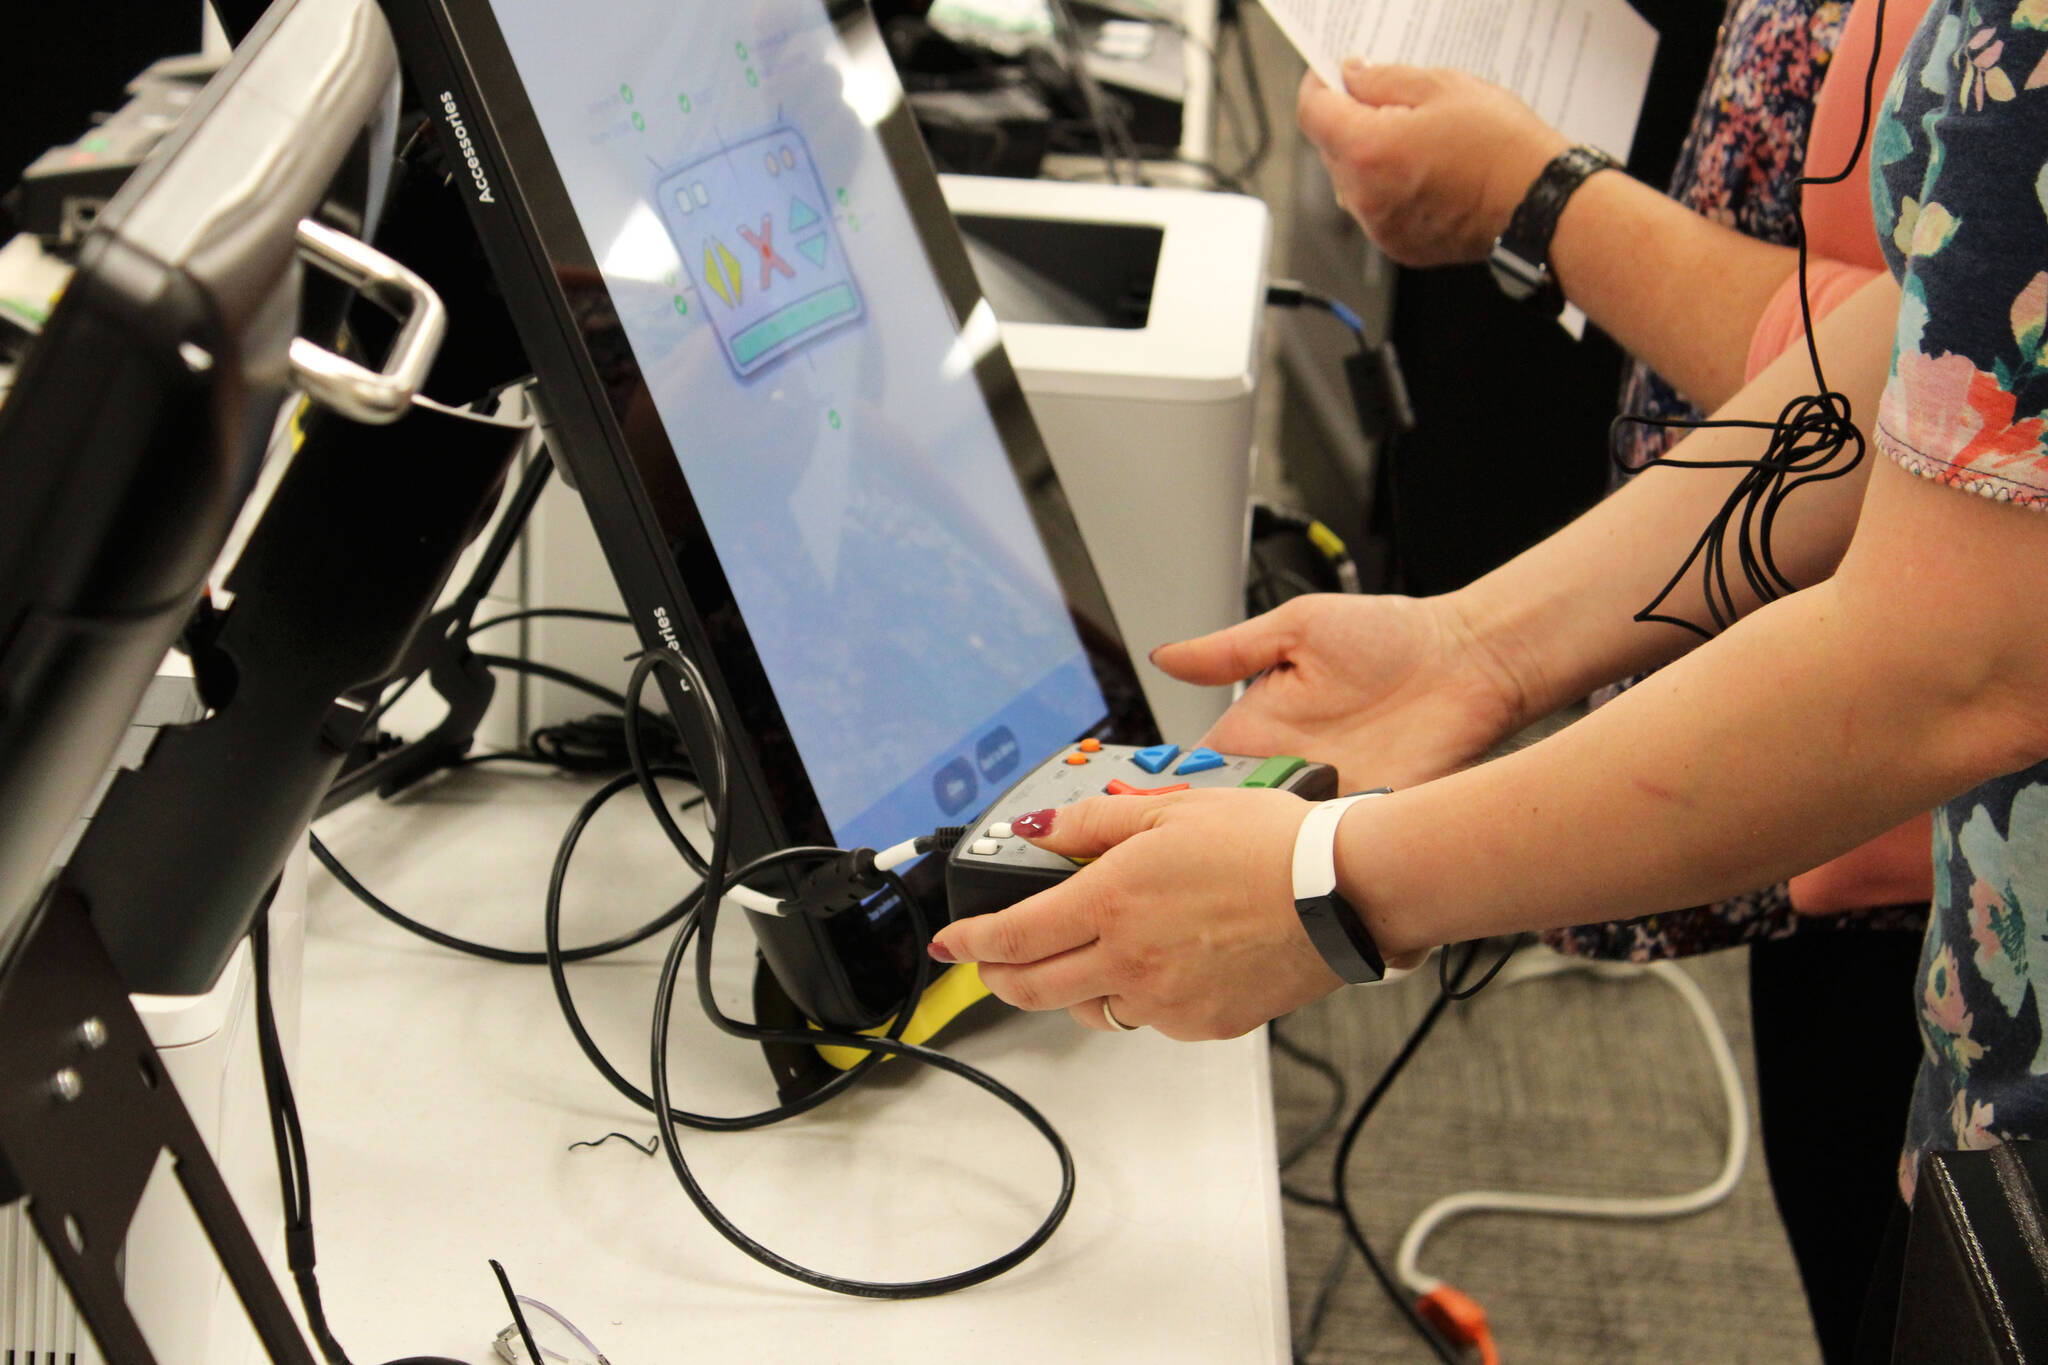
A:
x: 985, y: 848
x: 999, y: 830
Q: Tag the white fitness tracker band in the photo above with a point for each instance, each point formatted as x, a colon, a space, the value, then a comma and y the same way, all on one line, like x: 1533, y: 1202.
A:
x: 1332, y: 924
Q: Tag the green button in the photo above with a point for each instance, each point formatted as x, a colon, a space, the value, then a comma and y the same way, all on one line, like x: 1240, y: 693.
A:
x: 798, y: 318
x: 1274, y: 771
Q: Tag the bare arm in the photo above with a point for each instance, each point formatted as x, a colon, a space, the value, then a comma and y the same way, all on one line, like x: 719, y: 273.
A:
x: 1892, y: 683
x: 1559, y: 615
x: 1818, y: 722
x: 1433, y: 162
x: 1689, y: 302
x: 1399, y: 690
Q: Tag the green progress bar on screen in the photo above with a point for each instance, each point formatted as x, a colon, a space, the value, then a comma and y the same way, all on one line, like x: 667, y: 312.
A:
x: 800, y: 317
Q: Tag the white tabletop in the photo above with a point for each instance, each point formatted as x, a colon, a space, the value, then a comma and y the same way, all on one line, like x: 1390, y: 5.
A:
x: 440, y: 1095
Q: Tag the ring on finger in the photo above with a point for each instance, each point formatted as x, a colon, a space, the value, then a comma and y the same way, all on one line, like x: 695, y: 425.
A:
x: 1117, y: 1025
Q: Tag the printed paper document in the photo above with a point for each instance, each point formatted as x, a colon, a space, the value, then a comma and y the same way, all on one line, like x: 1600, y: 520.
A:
x: 1582, y: 65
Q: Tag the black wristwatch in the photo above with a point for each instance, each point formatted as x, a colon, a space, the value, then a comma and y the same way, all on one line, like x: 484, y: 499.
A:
x: 1520, y: 259
x: 1332, y: 923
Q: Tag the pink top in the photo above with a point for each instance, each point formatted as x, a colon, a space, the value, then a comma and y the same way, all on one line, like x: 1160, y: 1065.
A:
x: 1841, y: 235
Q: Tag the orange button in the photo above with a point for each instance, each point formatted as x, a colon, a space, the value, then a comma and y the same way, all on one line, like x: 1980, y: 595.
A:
x: 1118, y: 787
x: 1077, y: 759
x: 1091, y: 746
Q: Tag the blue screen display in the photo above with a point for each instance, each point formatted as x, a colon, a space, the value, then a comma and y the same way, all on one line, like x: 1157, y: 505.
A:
x: 820, y: 397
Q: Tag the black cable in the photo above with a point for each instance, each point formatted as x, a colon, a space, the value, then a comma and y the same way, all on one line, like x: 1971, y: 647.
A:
x: 603, y: 1064
x: 1295, y: 294
x: 510, y: 664
x: 1108, y: 117
x: 1443, y: 1350
x: 1270, y: 584
x: 1443, y: 971
x: 1355, y: 1233
x: 1319, y: 1307
x: 652, y: 1146
x: 1340, y: 1101
x: 294, y: 1180
x: 549, y: 613
x: 707, y: 898
x: 509, y: 956
x: 1149, y: 152
x: 597, y: 744
x: 554, y: 675
x: 1340, y: 1094
x: 1805, y: 441
x: 504, y: 756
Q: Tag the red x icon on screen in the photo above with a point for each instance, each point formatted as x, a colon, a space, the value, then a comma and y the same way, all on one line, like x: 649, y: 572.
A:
x: 765, y: 244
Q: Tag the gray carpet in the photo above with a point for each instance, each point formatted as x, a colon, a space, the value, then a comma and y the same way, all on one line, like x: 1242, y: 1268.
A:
x: 1562, y: 1085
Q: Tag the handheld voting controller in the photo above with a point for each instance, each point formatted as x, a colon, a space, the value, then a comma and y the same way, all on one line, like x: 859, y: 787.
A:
x: 992, y: 867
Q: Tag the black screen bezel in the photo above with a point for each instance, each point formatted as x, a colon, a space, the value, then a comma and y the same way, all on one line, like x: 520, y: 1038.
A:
x: 653, y: 534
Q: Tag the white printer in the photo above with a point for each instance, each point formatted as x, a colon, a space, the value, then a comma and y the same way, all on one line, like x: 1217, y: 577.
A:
x: 1132, y: 316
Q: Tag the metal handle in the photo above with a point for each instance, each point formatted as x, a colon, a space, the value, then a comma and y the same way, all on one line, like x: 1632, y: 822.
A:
x: 361, y: 394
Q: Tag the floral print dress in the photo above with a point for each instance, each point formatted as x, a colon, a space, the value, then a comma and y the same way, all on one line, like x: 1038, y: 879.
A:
x: 1959, y: 184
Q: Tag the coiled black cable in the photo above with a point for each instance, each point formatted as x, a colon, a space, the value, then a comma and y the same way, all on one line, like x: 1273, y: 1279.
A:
x: 557, y: 959
x: 699, y: 922
x: 1810, y: 434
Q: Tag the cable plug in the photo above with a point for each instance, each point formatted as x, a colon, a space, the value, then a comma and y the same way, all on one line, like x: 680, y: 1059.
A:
x: 838, y: 884
x: 1286, y: 294
x: 942, y: 839
x: 1462, y: 1321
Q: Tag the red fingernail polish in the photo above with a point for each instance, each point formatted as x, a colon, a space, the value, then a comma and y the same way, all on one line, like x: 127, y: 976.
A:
x: 941, y: 952
x: 1033, y: 825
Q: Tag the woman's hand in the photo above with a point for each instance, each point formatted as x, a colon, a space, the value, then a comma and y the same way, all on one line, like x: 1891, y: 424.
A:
x: 1430, y: 162
x: 1184, y: 923
x: 1390, y: 690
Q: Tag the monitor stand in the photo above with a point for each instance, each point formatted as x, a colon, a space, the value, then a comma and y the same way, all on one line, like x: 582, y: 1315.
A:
x: 86, y: 1112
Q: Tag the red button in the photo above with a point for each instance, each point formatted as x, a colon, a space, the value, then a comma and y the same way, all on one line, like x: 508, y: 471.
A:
x: 1118, y: 787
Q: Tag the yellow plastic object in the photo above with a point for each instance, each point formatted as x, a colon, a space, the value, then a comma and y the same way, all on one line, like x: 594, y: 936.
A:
x: 1326, y: 540
x: 945, y: 1000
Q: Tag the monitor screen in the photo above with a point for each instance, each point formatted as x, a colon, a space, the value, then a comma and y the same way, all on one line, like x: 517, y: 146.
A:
x: 723, y: 164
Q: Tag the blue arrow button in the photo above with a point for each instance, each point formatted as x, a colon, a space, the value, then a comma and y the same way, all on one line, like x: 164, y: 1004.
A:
x: 1155, y: 759
x: 1199, y: 761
